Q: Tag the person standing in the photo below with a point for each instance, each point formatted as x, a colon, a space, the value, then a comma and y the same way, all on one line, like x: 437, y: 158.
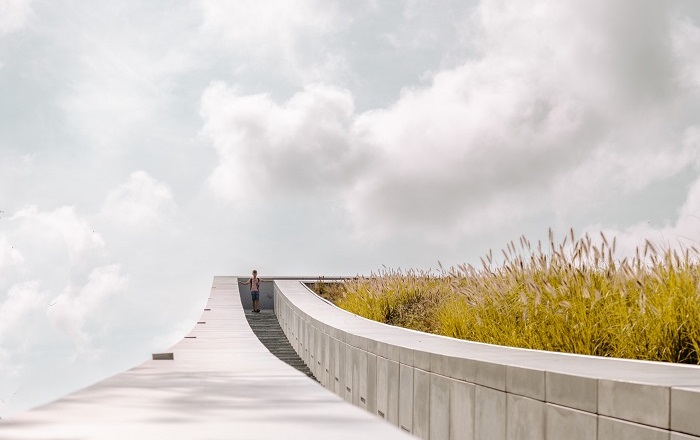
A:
x: 254, y: 283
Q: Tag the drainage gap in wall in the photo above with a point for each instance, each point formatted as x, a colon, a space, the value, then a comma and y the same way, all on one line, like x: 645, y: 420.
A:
x: 201, y: 322
x: 190, y: 337
x: 381, y: 414
x: 163, y: 356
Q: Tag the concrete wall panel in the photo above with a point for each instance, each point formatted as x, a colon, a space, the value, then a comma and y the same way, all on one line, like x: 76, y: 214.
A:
x: 677, y: 436
x: 382, y: 386
x: 525, y: 419
x: 421, y: 403
x: 525, y: 382
x: 349, y: 385
x: 361, y: 372
x: 685, y: 410
x: 393, y: 391
x: 614, y: 429
x: 372, y: 383
x: 490, y: 375
x: 489, y: 414
x: 406, y: 397
x: 572, y: 391
x: 645, y: 404
x: 439, y: 407
x: 461, y: 410
x: 570, y: 424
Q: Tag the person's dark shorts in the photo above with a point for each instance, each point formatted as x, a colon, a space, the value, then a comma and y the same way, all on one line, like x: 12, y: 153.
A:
x: 255, y: 294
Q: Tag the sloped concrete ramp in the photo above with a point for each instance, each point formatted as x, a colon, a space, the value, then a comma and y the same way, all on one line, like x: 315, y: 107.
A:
x: 222, y: 383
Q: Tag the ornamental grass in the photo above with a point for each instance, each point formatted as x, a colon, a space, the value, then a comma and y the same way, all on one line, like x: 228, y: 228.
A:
x: 572, y: 297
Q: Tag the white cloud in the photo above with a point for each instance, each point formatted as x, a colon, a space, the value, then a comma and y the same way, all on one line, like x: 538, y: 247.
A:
x: 290, y: 35
x: 140, y: 203
x: 14, y: 14
x: 686, y: 45
x: 22, y: 310
x: 18, y: 311
x: 121, y: 70
x: 267, y: 149
x: 562, y: 101
x: 79, y: 238
x: 80, y: 311
x: 9, y: 256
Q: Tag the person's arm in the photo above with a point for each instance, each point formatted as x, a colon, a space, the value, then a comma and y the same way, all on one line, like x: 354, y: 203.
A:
x: 247, y: 282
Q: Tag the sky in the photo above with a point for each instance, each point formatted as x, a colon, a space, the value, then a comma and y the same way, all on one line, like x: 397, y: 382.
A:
x: 146, y: 147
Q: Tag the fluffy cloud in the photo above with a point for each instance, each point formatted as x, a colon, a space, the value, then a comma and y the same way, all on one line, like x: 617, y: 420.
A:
x: 76, y: 234
x: 21, y: 306
x: 140, y: 203
x: 22, y: 311
x: 9, y: 256
x: 79, y: 311
x: 559, y: 102
x: 120, y: 69
x: 291, y: 36
x: 14, y: 14
x: 267, y: 149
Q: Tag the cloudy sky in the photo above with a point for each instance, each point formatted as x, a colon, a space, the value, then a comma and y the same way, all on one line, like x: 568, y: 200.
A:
x: 147, y: 146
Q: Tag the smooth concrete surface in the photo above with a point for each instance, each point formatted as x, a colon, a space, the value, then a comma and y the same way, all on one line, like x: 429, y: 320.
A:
x: 461, y: 410
x: 494, y: 392
x: 439, y: 407
x: 569, y: 423
x: 489, y: 414
x: 615, y: 429
x: 685, y: 409
x: 223, y: 384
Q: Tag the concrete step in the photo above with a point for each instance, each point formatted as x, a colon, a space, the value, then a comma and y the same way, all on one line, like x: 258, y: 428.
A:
x: 267, y: 329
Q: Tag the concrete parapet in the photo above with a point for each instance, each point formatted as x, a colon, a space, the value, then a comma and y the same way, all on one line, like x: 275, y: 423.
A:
x: 442, y: 388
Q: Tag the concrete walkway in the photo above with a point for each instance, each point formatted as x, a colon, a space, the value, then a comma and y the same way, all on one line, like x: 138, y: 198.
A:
x: 222, y: 384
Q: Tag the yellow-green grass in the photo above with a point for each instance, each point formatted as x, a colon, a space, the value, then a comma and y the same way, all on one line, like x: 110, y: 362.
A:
x: 573, y: 297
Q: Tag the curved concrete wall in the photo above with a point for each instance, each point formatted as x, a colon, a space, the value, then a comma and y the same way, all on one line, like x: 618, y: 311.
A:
x: 439, y: 388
